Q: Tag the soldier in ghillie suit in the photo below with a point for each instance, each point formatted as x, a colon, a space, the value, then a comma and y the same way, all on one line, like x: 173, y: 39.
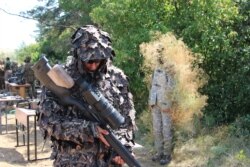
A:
x: 160, y: 103
x: 29, y: 77
x: 76, y: 141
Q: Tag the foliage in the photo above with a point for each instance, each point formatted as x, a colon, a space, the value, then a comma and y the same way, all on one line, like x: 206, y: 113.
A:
x: 145, y: 134
x: 216, y: 30
x: 32, y: 51
x: 218, y: 34
x: 178, y: 61
x: 241, y: 126
x: 57, y: 21
x: 241, y: 155
x: 213, y: 148
x: 6, y: 53
x: 130, y: 23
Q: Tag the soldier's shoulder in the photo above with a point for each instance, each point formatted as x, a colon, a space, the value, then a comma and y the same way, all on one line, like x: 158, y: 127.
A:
x: 116, y: 70
x: 118, y: 75
x: 69, y: 63
x: 70, y: 60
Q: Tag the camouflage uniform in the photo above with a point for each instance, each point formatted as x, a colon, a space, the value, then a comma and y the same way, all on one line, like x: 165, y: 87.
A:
x: 72, y: 135
x: 7, y: 69
x: 1, y: 76
x: 159, y: 100
x: 29, y: 77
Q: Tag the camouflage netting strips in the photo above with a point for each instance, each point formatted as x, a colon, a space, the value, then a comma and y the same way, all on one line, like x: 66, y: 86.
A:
x: 91, y: 43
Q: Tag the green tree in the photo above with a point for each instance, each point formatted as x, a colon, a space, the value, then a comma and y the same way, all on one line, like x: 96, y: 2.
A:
x: 130, y: 23
x: 32, y: 50
x: 210, y: 28
x: 218, y: 30
x: 57, y: 21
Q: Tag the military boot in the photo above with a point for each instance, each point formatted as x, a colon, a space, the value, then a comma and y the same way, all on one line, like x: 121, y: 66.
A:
x: 165, y: 159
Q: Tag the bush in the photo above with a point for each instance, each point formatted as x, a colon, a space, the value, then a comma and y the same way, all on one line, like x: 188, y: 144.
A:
x: 241, y: 127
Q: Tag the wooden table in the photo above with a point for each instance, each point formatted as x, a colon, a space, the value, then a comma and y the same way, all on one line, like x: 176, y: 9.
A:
x: 20, y: 89
x: 7, y: 99
x: 23, y: 119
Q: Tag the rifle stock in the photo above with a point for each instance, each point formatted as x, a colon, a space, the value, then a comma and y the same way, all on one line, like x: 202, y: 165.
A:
x: 107, y: 116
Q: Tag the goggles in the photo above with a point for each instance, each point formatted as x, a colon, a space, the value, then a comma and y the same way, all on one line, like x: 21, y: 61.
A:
x: 93, y: 61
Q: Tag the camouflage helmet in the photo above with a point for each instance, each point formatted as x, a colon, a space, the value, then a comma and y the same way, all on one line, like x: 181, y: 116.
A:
x: 90, y: 43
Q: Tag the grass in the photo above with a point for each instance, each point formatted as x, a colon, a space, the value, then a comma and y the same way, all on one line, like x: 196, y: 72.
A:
x: 210, y: 148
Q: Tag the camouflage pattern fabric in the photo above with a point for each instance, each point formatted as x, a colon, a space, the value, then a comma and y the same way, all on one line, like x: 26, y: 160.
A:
x: 92, y: 43
x: 28, y: 73
x: 160, y: 100
x: 2, y: 79
x: 29, y: 77
x: 160, y: 92
x: 162, y: 129
x: 73, y: 137
x: 7, y: 65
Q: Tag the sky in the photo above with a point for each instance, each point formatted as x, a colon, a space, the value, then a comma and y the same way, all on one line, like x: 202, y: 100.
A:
x: 16, y: 31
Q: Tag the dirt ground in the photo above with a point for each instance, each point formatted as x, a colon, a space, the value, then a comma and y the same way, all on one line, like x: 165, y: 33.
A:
x: 12, y: 156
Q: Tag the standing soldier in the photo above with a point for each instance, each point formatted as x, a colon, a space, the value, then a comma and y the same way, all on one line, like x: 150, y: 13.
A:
x: 7, y: 69
x: 1, y: 75
x: 77, y: 141
x: 160, y: 104
x: 29, y: 77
